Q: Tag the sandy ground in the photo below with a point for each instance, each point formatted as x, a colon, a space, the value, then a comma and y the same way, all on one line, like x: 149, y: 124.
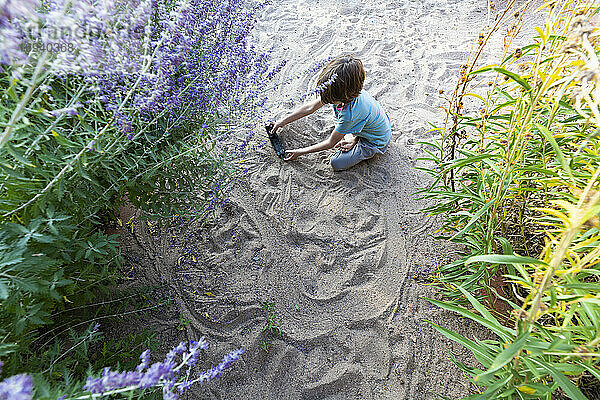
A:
x: 335, y: 253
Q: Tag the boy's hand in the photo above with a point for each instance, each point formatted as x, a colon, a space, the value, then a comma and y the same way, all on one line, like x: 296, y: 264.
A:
x: 291, y: 155
x: 278, y: 125
x: 347, y: 142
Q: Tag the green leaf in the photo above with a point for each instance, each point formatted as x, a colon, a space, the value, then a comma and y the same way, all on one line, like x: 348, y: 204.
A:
x: 504, y: 259
x: 478, y: 306
x: 13, y: 152
x: 480, y: 353
x: 514, y: 77
x: 570, y: 389
x: 12, y: 258
x: 506, y: 246
x: 505, y: 333
x: 3, y: 290
x: 541, y: 171
x: 26, y: 285
x: 7, y: 348
x: 584, y: 286
x: 81, y: 170
x: 493, y: 389
x: 550, y: 137
x: 592, y: 370
x: 504, y: 357
x: 553, y: 299
x: 474, y: 219
x: 64, y: 141
x: 8, y: 170
x: 507, y: 250
x: 470, y: 160
x: 11, y: 92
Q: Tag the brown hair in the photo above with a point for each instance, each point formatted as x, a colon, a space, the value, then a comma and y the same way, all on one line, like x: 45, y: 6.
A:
x: 348, y: 83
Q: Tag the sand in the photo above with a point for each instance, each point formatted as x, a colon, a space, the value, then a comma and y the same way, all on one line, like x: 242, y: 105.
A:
x: 335, y: 253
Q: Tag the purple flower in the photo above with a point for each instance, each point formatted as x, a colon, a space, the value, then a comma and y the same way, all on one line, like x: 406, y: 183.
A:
x: 217, y: 371
x: 319, y: 89
x: 154, y: 374
x: 10, y: 9
x: 17, y: 387
x: 168, y: 395
x: 181, y: 348
x: 166, y: 374
x: 71, y: 111
x: 194, y: 353
x: 144, y: 361
x: 112, y: 380
x: 202, y: 67
x: 11, y: 37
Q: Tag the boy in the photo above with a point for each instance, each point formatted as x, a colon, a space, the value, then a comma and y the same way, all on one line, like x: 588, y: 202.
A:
x: 363, y: 127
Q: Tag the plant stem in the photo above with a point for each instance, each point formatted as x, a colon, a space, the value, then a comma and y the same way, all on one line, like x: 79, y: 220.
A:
x: 7, y: 134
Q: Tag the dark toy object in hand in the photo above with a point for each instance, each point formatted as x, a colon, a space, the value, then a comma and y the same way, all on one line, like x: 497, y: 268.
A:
x: 275, y: 141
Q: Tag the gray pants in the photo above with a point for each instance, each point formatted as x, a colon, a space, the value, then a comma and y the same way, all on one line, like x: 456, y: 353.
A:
x: 362, y: 150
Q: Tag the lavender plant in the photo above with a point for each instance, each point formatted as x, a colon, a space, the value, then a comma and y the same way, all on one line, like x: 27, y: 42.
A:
x: 175, y: 72
x: 173, y: 375
x: 102, y: 102
x: 17, y: 387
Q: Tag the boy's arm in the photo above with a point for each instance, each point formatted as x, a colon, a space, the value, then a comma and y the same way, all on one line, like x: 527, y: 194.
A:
x: 302, y: 111
x: 324, y: 145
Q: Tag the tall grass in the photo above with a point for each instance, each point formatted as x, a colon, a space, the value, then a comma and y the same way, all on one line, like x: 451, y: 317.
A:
x: 517, y: 178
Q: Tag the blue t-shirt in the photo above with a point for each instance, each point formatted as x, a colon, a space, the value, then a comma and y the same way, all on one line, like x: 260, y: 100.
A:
x: 364, y: 118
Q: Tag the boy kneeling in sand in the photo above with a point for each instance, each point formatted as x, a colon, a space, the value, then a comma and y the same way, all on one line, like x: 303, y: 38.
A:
x: 363, y: 127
